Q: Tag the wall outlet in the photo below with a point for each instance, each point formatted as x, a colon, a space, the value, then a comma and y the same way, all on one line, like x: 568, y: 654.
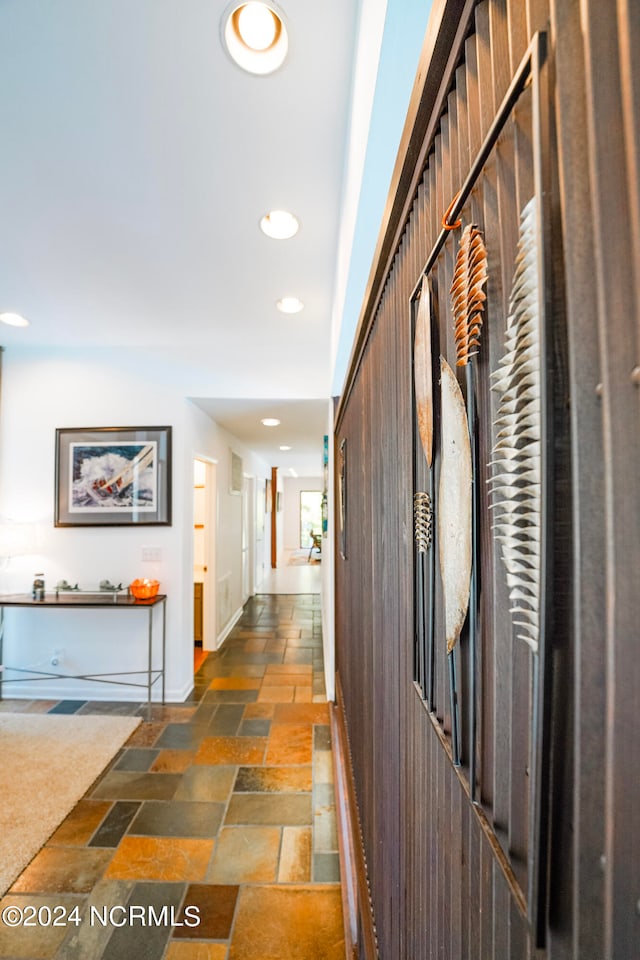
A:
x: 151, y: 554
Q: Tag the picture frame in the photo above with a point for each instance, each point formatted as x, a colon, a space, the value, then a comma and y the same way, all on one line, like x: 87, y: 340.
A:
x: 236, y: 480
x: 112, y: 476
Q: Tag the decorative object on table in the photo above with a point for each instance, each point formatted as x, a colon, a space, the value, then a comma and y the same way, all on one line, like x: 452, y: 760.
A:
x: 37, y: 590
x: 516, y: 482
x: 468, y: 301
x: 454, y: 526
x: 63, y: 586
x: 113, y: 476
x: 144, y: 589
x: 423, y: 500
x: 107, y: 585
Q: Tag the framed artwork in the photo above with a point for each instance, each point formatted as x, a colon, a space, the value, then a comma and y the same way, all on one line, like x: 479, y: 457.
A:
x: 113, y: 476
x: 236, y: 473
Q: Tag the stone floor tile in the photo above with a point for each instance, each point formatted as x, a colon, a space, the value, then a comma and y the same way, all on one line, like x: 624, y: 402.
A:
x: 235, y: 683
x: 63, y: 870
x: 86, y: 941
x: 145, y: 941
x: 177, y: 818
x: 80, y: 825
x: 325, y: 833
x: 301, y: 713
x: 161, y: 858
x: 67, y: 706
x: 129, y: 785
x: 271, y: 809
x: 322, y: 766
x: 231, y: 696
x: 246, y: 855
x: 254, y: 728
x: 172, y: 761
x: 226, y: 720
x: 276, y: 694
x: 295, y: 857
x: 302, y: 695
x: 296, y: 923
x: 301, y: 656
x: 169, y: 712
x: 182, y: 736
x: 288, y: 679
x: 38, y: 942
x: 288, y: 669
x: 326, y: 868
x: 290, y: 743
x: 146, y: 734
x: 115, y: 708
x: 208, y: 783
x: 234, y: 750
x: 136, y: 758
x: 115, y: 824
x: 322, y: 737
x: 259, y: 711
x: 193, y: 950
x: 296, y: 779
x: 216, y: 904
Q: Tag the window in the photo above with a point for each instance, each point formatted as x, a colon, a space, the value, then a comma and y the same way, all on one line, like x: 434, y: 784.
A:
x: 310, y: 515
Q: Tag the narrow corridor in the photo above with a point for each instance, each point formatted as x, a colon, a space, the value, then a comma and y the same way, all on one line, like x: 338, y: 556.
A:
x: 223, y: 804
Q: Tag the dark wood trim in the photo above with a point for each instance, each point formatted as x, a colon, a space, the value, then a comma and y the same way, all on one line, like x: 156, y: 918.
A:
x: 359, y: 927
x: 274, y: 515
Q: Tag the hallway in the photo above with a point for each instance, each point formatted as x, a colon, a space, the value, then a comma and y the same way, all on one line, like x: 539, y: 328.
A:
x: 224, y: 803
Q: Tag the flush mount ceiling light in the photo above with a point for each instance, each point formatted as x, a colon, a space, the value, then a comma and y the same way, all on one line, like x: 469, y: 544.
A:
x: 290, y: 305
x: 255, y: 36
x: 285, y: 448
x: 14, y: 320
x: 279, y: 224
x: 270, y: 422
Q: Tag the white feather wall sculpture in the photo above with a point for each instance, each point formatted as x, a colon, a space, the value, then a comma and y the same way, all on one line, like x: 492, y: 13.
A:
x: 454, y: 506
x: 515, y: 484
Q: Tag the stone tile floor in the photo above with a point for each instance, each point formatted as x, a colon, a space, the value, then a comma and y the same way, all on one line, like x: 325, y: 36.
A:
x: 219, y: 809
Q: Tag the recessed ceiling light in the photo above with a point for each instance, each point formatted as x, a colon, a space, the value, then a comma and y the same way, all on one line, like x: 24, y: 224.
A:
x: 285, y: 448
x: 290, y: 305
x: 279, y: 224
x: 14, y: 320
x: 255, y: 36
x: 270, y: 422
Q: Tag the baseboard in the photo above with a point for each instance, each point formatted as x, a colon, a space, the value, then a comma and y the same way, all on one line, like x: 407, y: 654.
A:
x: 226, y: 630
x: 359, y: 926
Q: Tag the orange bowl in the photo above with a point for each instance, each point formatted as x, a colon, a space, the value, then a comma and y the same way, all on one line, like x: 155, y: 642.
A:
x: 144, y: 589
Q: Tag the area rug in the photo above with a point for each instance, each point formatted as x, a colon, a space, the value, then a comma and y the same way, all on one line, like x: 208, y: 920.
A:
x: 47, y: 763
x: 301, y: 557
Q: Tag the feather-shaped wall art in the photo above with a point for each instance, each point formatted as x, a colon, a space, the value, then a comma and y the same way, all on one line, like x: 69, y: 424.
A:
x: 422, y: 375
x: 468, y: 302
x: 467, y: 292
x: 454, y: 506
x: 515, y: 483
x: 454, y: 526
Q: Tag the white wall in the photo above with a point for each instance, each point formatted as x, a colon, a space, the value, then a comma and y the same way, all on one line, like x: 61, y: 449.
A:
x: 47, y: 388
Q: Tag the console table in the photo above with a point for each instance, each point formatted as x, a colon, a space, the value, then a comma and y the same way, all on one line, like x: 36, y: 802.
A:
x: 90, y: 601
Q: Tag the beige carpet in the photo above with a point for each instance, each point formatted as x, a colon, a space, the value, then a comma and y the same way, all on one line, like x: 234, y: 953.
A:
x: 47, y: 763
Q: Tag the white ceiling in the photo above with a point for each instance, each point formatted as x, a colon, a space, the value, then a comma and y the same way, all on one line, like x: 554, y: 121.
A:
x: 135, y: 164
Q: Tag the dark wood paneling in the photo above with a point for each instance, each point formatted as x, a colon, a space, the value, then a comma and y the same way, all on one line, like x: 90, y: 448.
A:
x: 450, y: 878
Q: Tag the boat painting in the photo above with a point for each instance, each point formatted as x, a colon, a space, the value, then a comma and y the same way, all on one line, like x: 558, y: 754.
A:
x: 113, y: 477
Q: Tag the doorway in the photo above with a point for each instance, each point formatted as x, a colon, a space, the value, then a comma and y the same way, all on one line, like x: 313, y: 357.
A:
x: 204, y: 532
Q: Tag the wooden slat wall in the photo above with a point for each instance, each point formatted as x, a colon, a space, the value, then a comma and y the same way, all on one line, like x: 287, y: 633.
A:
x: 449, y: 879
